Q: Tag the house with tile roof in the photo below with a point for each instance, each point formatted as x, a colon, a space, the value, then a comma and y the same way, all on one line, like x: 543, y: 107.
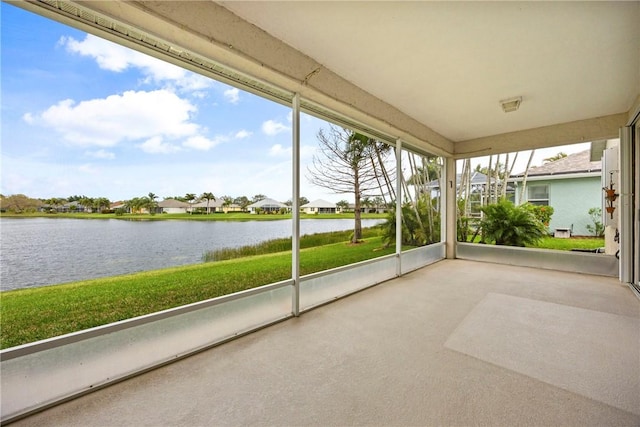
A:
x: 319, y: 207
x: 571, y: 185
x: 216, y: 206
x: 173, y: 206
x: 267, y: 206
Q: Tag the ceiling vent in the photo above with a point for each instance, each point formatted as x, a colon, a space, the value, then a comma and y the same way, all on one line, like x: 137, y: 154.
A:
x: 512, y: 104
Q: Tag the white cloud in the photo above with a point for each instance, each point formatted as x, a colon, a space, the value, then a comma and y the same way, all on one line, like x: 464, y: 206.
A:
x: 278, y: 150
x: 271, y: 127
x: 306, y: 151
x: 232, y: 95
x: 130, y: 116
x: 202, y: 143
x: 243, y: 134
x: 155, y: 145
x: 28, y: 118
x: 87, y: 168
x: 101, y: 154
x: 116, y: 58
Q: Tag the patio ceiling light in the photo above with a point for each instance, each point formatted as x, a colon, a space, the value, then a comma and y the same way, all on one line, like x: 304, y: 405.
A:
x: 512, y: 104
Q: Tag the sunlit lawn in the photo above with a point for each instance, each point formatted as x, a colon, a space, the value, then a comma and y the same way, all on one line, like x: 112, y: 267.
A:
x: 571, y: 243
x: 565, y: 244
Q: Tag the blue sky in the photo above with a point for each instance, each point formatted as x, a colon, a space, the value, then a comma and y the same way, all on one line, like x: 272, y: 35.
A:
x: 81, y: 115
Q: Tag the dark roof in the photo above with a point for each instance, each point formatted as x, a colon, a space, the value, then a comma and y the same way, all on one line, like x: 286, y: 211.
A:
x: 573, y: 163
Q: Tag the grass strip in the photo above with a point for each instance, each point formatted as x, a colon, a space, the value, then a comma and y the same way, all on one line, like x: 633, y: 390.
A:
x: 33, y: 314
x: 563, y: 244
x: 284, y: 244
x: 571, y: 243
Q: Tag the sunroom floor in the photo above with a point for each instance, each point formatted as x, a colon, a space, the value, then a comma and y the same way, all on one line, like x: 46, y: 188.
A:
x: 455, y: 343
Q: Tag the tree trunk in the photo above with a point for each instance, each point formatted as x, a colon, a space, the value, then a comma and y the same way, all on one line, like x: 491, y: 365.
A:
x: 487, y: 190
x: 524, y: 179
x: 508, y: 174
x: 357, y: 226
x: 496, y: 176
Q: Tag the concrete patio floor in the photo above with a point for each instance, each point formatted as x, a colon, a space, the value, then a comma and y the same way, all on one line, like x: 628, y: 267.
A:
x: 456, y: 343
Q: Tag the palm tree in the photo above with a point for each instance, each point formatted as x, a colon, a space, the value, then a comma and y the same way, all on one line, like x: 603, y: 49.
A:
x: 151, y: 203
x: 208, y: 196
x: 226, y: 202
x: 100, y: 203
x: 507, y: 224
x: 86, y: 203
x: 189, y: 198
x: 343, y: 205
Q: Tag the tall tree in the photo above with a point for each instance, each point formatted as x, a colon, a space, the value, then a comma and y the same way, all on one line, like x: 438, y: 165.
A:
x: 189, y: 198
x: 242, y: 201
x: 226, y: 202
x: 523, y: 196
x: 152, y: 204
x: 86, y: 203
x: 208, y: 196
x: 19, y: 203
x: 343, y: 164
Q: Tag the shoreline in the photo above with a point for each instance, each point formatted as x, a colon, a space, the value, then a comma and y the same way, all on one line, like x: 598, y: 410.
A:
x: 235, y: 216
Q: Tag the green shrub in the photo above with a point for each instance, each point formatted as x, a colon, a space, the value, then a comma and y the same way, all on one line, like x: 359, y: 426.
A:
x: 507, y: 224
x: 541, y: 212
x: 417, y: 230
x: 597, y: 228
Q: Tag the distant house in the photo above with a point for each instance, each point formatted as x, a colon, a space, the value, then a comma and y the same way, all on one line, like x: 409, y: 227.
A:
x: 266, y: 205
x: 214, y: 206
x: 571, y: 185
x: 173, y: 206
x: 117, y: 205
x: 320, y: 207
x: 478, y: 185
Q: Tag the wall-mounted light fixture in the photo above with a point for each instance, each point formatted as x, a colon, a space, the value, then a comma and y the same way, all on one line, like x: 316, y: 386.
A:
x: 511, y: 104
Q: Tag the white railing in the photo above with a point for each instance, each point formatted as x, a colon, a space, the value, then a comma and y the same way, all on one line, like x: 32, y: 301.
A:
x: 576, y: 262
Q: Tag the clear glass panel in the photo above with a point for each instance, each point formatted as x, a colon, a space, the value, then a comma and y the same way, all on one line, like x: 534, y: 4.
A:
x: 346, y: 187
x: 555, y: 198
x: 421, y: 201
x: 107, y: 133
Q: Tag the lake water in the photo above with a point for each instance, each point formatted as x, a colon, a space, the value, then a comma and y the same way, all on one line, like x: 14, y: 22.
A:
x: 44, y: 251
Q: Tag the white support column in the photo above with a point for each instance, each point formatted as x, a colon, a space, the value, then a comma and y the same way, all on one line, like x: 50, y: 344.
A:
x: 442, y: 203
x: 399, y: 207
x: 450, y: 210
x: 625, y: 206
x: 295, y: 208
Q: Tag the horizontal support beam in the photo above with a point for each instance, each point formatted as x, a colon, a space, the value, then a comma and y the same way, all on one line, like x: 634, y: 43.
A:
x: 588, y: 130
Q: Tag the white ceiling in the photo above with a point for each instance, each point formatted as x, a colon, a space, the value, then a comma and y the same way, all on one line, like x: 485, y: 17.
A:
x: 448, y: 64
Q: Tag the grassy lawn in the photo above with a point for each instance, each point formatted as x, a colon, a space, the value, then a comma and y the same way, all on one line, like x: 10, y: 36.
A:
x: 232, y: 216
x: 33, y: 314
x: 571, y: 243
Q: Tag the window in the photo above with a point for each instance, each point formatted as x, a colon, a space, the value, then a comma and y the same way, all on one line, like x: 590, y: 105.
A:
x: 538, y: 195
